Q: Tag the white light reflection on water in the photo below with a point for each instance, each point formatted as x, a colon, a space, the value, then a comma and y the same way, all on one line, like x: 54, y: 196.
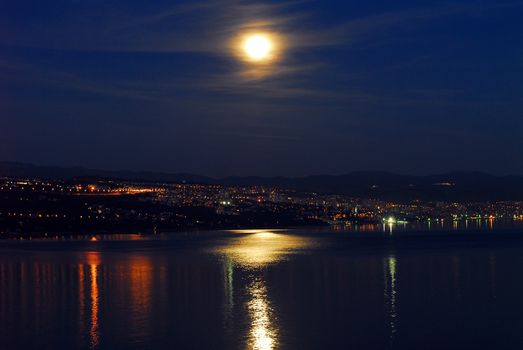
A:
x: 390, y: 293
x: 228, y: 287
x: 252, y: 251
x: 263, y: 334
x: 261, y: 248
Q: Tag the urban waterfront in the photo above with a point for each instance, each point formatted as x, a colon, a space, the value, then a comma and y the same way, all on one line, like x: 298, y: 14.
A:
x: 34, y: 207
x: 266, y: 289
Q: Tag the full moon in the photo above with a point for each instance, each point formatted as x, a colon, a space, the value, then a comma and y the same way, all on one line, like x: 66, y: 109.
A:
x: 258, y: 47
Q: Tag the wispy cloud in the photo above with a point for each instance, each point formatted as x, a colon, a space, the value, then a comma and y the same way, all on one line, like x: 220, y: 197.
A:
x: 362, y: 30
x: 206, y: 27
x: 34, y: 75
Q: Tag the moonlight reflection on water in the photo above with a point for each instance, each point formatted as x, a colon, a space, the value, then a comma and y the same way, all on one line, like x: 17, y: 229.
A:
x: 253, y: 250
x: 263, y: 290
x: 257, y: 248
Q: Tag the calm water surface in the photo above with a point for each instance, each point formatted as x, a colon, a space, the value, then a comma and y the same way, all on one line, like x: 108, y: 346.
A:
x: 264, y: 290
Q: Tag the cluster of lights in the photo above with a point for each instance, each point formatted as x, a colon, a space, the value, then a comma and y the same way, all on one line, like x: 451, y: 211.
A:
x: 334, y: 209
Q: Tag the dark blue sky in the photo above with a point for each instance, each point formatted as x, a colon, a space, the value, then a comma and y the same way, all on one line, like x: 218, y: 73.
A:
x: 405, y: 86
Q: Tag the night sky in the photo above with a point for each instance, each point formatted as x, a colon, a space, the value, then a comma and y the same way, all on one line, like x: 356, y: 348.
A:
x: 414, y: 87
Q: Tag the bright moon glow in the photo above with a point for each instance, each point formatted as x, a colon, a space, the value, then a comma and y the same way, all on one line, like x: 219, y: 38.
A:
x: 258, y: 47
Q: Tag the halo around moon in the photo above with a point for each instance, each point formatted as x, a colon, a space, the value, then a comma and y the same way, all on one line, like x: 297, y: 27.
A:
x: 258, y: 47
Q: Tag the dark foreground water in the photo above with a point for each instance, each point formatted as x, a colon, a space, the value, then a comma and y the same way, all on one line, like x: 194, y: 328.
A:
x: 264, y: 290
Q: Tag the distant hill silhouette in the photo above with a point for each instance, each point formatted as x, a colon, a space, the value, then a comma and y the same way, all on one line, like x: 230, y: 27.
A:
x: 53, y: 172
x: 455, y: 186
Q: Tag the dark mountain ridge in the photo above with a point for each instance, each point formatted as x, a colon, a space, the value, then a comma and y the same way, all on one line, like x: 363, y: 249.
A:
x: 454, y: 186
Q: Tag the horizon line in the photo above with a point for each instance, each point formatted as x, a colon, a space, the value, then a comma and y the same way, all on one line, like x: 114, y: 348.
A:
x: 158, y: 172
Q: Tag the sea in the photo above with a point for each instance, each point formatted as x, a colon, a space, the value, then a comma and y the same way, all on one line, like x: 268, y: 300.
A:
x: 374, y: 286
